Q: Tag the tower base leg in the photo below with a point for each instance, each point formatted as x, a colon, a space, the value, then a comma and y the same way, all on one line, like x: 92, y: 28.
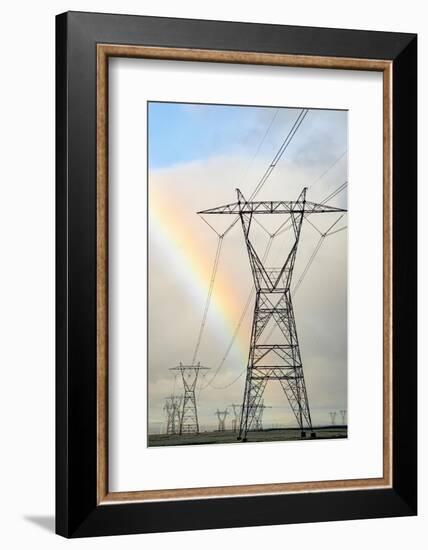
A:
x: 313, y: 435
x: 303, y: 435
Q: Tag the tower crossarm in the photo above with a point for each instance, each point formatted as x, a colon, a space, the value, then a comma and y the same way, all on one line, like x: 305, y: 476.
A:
x: 273, y: 207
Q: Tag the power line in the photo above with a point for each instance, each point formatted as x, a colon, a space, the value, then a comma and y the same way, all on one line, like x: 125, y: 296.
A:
x: 260, y: 145
x: 308, y: 265
x: 283, y: 227
x: 219, y: 245
x: 208, y: 300
x: 275, y: 160
x: 238, y: 326
x: 326, y: 233
x: 313, y: 225
x: 296, y: 125
x: 328, y: 169
x: 336, y: 192
x: 209, y: 225
x: 230, y: 383
x: 280, y: 152
x: 288, y: 369
x: 315, y: 252
x: 312, y: 257
x: 278, y: 231
x: 338, y: 230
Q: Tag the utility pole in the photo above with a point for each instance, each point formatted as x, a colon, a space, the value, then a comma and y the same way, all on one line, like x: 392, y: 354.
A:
x: 278, y: 359
x: 333, y: 417
x: 343, y: 415
x: 189, y: 413
x: 221, y: 415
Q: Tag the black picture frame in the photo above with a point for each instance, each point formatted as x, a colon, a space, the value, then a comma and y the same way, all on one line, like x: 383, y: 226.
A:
x: 77, y: 512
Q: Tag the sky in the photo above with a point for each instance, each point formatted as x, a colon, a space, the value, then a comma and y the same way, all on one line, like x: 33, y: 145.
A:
x: 198, y: 156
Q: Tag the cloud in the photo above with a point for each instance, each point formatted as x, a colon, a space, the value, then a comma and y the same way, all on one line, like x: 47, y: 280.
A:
x: 178, y: 293
x: 182, y: 250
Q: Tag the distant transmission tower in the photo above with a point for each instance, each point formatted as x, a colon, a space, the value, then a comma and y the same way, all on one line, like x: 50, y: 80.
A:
x: 167, y: 410
x: 172, y: 409
x: 258, y: 417
x: 274, y: 360
x: 221, y: 415
x: 189, y: 413
x: 333, y: 417
x: 236, y: 416
x: 343, y: 415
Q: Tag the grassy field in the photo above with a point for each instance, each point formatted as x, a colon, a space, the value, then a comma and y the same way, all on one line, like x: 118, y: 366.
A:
x: 207, y: 438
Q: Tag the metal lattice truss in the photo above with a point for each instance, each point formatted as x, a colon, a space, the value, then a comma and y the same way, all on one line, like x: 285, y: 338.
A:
x: 257, y: 423
x: 188, y: 422
x: 279, y: 359
x: 221, y: 415
x: 236, y: 416
x: 172, y: 409
x: 272, y: 207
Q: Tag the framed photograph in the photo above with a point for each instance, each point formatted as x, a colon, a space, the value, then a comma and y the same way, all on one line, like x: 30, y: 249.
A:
x: 236, y: 274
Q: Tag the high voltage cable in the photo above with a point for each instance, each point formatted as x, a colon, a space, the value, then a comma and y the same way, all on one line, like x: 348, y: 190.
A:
x: 313, y: 225
x: 238, y: 326
x: 327, y: 233
x: 312, y: 258
x: 260, y: 184
x: 209, y: 225
x: 208, y: 300
x: 303, y: 275
x: 315, y: 252
x: 230, y: 383
x: 283, y: 227
x: 328, y: 169
x: 260, y: 145
x: 277, y: 232
x: 219, y: 244
x: 272, y: 236
x: 308, y: 265
x: 299, y: 282
x: 337, y: 230
x: 280, y: 152
x: 336, y: 192
x: 283, y: 147
x: 211, y: 287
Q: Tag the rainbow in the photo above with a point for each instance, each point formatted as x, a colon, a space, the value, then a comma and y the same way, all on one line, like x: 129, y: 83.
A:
x: 193, y: 271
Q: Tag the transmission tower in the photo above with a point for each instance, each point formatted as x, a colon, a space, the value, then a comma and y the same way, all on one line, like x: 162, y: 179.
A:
x: 273, y: 360
x: 343, y: 415
x: 258, y: 417
x: 167, y: 409
x: 236, y: 416
x: 221, y: 415
x: 333, y: 417
x: 188, y: 422
x: 172, y: 409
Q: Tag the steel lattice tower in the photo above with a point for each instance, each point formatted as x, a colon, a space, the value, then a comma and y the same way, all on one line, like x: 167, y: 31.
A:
x: 258, y: 416
x: 172, y: 409
x: 236, y: 416
x: 189, y: 413
x: 221, y: 415
x: 274, y: 360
